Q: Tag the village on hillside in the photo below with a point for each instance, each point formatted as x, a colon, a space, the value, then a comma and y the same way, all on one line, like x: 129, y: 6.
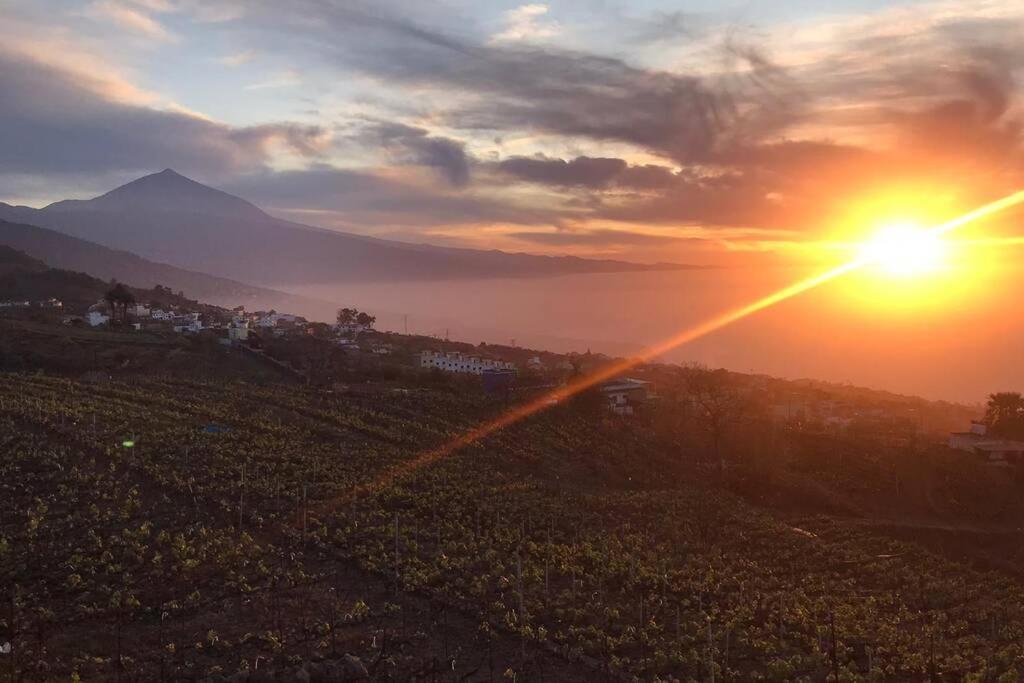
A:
x: 351, y: 355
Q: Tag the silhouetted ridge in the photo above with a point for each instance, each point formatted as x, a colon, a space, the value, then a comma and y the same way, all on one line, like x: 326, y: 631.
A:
x: 169, y: 218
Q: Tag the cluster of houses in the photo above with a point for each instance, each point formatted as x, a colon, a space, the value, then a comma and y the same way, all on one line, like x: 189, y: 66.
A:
x: 234, y: 326
x: 989, y: 448
x: 46, y: 303
x: 831, y: 413
x: 231, y: 327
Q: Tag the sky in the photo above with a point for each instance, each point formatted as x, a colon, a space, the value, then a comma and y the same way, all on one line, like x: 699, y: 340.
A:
x: 698, y: 132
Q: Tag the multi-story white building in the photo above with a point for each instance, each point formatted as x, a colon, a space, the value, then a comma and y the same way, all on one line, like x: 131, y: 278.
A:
x: 456, y: 361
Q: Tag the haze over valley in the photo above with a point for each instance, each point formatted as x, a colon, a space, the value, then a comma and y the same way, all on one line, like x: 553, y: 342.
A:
x: 191, y: 237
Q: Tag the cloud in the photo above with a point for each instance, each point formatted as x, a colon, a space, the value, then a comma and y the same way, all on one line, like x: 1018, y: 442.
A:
x: 132, y: 19
x: 594, y: 238
x: 411, y: 145
x: 526, y: 23
x: 736, y: 120
x: 283, y: 79
x: 512, y: 86
x: 238, y: 58
x: 588, y: 172
x: 200, y: 10
x: 348, y: 198
x: 55, y: 49
x: 54, y: 122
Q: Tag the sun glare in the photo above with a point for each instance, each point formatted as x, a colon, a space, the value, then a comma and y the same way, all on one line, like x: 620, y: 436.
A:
x: 905, y: 250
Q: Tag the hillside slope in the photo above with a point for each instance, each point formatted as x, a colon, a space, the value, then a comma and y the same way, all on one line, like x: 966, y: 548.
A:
x: 200, y: 553
x: 25, y: 278
x: 70, y: 253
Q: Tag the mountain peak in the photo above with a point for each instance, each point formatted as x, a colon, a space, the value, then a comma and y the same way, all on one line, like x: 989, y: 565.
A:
x: 169, y: 191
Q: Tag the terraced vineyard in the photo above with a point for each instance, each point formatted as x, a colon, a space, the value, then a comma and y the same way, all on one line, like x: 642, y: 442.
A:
x: 166, y: 530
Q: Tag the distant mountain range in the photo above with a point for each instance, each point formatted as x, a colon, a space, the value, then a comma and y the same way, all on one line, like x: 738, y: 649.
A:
x: 169, y: 218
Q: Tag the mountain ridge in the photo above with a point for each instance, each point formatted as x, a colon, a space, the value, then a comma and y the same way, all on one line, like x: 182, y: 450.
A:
x: 165, y: 190
x: 170, y: 218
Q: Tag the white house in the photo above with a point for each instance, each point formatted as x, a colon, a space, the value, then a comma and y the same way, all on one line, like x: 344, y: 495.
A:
x: 187, y: 322
x: 350, y: 329
x: 97, y: 318
x: 993, y: 450
x: 238, y: 332
x: 140, y: 311
x: 456, y: 361
x: 965, y: 441
x: 626, y: 394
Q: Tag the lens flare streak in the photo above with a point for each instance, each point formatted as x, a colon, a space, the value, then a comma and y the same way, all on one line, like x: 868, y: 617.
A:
x: 580, y: 384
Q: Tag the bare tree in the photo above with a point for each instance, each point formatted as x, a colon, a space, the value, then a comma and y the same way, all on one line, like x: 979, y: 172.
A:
x: 718, y: 406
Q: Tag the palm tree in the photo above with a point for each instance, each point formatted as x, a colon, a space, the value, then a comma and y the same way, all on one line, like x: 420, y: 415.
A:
x: 119, y: 296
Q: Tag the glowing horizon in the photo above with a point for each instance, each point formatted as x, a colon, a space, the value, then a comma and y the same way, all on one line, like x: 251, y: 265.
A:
x: 580, y: 384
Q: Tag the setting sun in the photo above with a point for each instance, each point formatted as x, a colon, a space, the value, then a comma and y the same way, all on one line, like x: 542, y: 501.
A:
x: 905, y: 250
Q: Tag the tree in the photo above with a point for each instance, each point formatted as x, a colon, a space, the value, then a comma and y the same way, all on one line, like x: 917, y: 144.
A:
x: 347, y: 316
x: 1004, y: 414
x: 718, y: 405
x: 365, y: 319
x: 121, y: 297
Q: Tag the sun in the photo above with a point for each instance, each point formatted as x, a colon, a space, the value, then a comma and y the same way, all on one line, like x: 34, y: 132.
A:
x: 905, y: 250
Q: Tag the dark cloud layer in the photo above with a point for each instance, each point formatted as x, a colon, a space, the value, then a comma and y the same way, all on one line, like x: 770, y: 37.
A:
x: 52, y: 122
x: 588, y: 172
x: 728, y: 133
x: 416, y: 146
x: 360, y: 197
x: 592, y: 238
x: 684, y: 117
